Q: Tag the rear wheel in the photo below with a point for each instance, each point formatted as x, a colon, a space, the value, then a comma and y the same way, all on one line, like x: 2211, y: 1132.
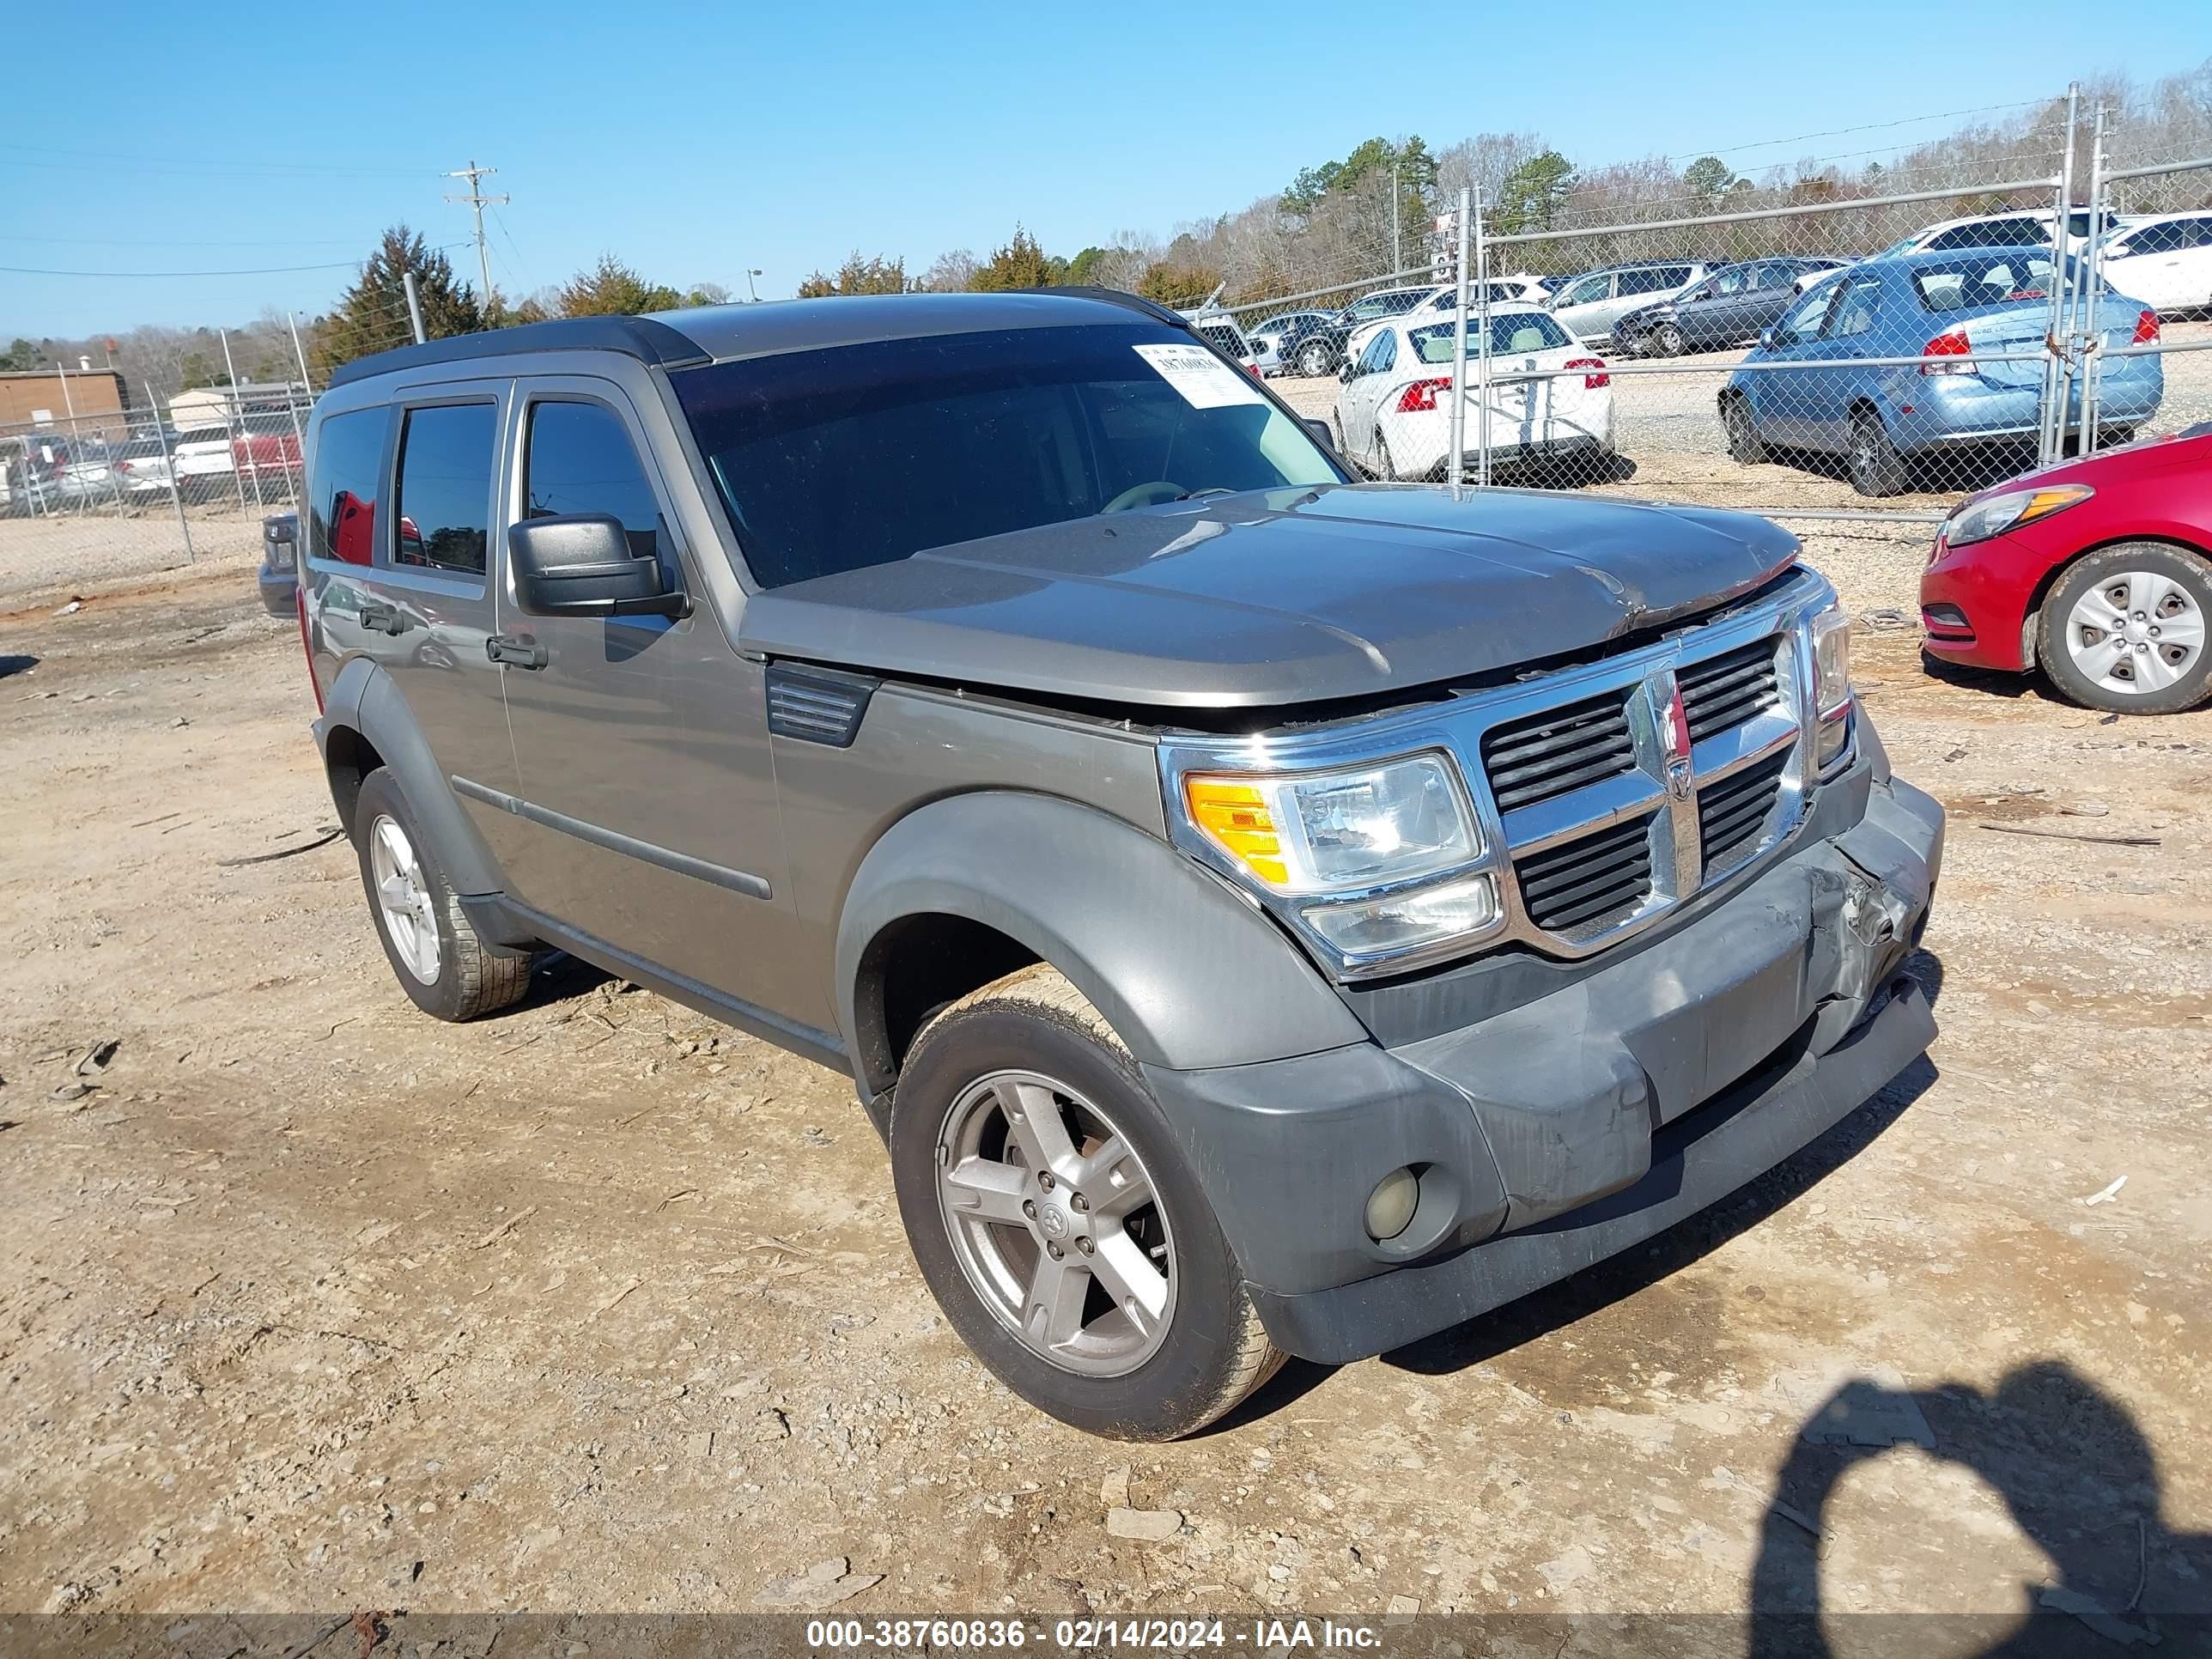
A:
x: 1744, y: 443
x: 1058, y: 1224
x: 2125, y: 628
x: 442, y: 962
x: 1876, y: 467
x: 1384, y: 468
x: 1313, y: 359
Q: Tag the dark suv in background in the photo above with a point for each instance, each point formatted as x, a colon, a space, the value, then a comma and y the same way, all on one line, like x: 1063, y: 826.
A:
x: 1263, y: 913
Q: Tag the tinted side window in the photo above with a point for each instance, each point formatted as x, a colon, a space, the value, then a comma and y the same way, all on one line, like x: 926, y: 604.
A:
x: 444, y: 487
x: 341, y: 499
x: 580, y: 460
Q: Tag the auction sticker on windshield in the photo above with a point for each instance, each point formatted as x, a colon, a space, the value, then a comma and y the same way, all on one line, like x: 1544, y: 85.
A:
x: 1202, y: 379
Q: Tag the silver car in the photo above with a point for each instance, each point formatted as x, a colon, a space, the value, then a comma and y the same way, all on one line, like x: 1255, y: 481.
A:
x: 1588, y: 306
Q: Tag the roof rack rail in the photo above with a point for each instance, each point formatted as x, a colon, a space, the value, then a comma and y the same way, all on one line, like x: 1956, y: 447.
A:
x: 640, y: 337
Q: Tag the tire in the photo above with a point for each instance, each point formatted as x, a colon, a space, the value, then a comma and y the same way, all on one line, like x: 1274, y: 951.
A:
x: 1666, y: 340
x: 1314, y: 359
x: 1876, y: 468
x: 1085, y: 1361
x: 466, y: 977
x: 2171, y: 588
x: 1385, y: 468
x: 1744, y: 443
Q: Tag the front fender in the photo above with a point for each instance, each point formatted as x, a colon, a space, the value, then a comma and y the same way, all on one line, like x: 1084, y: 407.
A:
x: 1187, y: 972
x: 363, y: 699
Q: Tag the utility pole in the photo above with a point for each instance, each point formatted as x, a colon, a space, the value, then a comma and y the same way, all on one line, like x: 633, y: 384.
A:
x: 1397, y: 253
x: 476, y: 199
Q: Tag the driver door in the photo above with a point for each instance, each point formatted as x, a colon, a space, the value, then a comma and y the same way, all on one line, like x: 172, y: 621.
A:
x: 646, y: 811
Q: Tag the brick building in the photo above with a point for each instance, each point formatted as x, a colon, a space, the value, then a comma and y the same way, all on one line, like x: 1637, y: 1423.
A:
x: 98, y: 399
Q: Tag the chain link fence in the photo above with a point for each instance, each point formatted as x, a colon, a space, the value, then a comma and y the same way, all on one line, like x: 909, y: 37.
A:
x: 113, y: 476
x: 1763, y: 357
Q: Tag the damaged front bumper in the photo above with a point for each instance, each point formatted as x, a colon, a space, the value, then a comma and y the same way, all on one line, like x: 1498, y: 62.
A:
x: 1575, y: 1124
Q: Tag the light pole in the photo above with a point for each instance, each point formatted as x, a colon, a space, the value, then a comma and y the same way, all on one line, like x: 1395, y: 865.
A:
x: 750, y: 292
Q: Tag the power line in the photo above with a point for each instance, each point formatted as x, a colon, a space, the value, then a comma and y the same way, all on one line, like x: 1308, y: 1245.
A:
x: 257, y: 270
x: 219, y: 166
x: 105, y: 241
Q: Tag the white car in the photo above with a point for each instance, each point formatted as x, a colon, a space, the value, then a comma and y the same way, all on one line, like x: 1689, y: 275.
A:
x: 202, y: 462
x: 1503, y: 290
x: 2029, y: 229
x: 1549, y: 397
x: 2165, y: 260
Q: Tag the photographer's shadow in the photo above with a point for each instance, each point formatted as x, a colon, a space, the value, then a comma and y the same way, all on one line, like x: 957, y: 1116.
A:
x: 2081, y: 1481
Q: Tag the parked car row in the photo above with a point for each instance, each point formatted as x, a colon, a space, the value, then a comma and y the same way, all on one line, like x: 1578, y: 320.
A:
x: 52, y: 472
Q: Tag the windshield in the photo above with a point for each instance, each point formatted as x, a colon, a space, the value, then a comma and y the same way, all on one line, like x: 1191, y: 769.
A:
x: 862, y: 455
x: 1513, y: 332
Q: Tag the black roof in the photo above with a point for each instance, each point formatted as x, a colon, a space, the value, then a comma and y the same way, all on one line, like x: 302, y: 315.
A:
x: 705, y: 334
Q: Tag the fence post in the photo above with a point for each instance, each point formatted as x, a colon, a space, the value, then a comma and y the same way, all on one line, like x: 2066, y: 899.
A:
x: 1459, y: 343
x: 2092, y: 272
x: 2050, y: 437
x: 237, y: 425
x: 169, y: 467
x: 1482, y: 361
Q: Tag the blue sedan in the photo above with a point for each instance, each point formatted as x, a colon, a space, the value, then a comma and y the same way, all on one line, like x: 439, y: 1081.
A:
x: 1974, y: 305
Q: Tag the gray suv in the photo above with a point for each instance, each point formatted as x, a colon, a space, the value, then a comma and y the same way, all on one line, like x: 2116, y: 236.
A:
x: 1263, y: 913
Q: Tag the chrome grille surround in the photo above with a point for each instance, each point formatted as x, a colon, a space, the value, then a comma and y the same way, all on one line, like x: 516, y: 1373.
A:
x: 1667, y: 795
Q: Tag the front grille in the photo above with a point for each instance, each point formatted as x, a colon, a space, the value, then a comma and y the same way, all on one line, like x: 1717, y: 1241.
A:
x: 1547, y: 755
x: 1724, y: 692
x: 1731, y: 813
x: 1598, y: 879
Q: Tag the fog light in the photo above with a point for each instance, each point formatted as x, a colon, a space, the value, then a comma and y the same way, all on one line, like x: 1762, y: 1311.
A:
x: 1390, y: 1206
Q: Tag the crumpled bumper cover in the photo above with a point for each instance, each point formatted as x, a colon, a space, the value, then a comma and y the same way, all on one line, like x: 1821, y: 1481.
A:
x: 1554, y: 1134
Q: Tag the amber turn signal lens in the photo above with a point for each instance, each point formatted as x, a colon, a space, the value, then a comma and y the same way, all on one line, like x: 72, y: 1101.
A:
x: 1236, y: 818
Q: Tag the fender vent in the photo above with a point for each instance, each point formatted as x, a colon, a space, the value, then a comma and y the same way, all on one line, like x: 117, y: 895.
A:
x: 816, y: 706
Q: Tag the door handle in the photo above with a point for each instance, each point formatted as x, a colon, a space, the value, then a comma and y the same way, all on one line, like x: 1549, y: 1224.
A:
x: 517, y: 650
x: 384, y: 618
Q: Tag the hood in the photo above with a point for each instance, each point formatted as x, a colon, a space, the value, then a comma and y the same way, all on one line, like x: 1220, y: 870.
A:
x: 1275, y: 597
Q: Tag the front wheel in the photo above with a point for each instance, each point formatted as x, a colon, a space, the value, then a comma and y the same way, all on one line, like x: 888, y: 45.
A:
x: 1058, y: 1224
x: 2125, y: 630
x: 1669, y: 342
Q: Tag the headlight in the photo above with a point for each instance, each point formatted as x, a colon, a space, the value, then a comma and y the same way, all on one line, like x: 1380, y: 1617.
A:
x: 1831, y: 634
x: 1338, y: 832
x: 1977, y: 521
x: 1831, y: 662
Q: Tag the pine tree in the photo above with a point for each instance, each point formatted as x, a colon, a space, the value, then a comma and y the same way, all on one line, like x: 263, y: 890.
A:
x: 372, y: 314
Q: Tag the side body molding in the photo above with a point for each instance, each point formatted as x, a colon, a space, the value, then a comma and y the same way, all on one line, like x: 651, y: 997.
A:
x: 364, y: 698
x: 1189, y: 974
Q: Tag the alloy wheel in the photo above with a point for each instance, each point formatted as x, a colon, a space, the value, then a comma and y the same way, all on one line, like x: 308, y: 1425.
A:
x: 1056, y: 1223
x: 403, y: 895
x: 2137, y: 632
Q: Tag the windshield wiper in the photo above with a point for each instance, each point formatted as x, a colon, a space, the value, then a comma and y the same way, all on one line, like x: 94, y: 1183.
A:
x: 1210, y: 490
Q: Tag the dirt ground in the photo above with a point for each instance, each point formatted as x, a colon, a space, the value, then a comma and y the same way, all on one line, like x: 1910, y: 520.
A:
x: 312, y: 1302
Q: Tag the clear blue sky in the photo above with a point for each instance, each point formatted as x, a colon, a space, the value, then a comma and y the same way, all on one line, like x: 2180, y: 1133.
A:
x: 695, y: 142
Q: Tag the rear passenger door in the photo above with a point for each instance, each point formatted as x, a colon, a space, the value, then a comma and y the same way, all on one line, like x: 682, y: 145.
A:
x: 649, y: 819
x: 399, y: 543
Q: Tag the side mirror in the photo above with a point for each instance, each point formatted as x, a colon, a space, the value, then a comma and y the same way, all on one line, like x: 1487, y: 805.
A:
x: 1767, y: 339
x: 579, y: 564
x: 1319, y: 432
x: 1344, y: 371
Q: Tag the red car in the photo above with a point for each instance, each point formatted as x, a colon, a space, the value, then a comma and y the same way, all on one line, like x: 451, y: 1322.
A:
x: 2098, y: 571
